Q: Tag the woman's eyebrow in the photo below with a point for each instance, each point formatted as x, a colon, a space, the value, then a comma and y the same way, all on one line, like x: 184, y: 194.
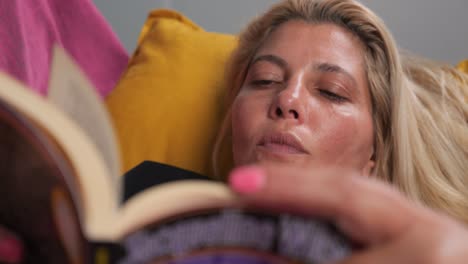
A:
x: 271, y: 58
x: 328, y: 67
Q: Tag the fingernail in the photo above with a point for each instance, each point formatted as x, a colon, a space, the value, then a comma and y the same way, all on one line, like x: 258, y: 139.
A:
x: 10, y: 250
x: 247, y: 180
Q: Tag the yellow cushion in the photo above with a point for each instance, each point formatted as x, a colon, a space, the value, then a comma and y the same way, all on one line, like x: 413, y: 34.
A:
x: 168, y: 105
x: 463, y: 66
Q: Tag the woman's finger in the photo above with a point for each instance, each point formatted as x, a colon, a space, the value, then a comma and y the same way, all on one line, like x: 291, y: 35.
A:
x: 10, y: 247
x: 367, y: 211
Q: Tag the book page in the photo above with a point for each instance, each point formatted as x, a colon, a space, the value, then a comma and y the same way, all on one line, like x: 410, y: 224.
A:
x: 73, y: 93
x: 97, y: 199
x: 171, y: 199
x: 37, y: 182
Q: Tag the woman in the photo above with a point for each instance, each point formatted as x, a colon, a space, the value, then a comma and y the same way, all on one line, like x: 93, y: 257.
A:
x: 374, y: 116
x: 322, y: 100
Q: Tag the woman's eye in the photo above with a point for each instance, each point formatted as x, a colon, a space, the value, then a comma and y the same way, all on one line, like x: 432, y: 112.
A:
x: 332, y: 96
x: 263, y: 82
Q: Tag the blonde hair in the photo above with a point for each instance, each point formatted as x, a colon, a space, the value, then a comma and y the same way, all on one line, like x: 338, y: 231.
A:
x: 403, y: 109
x: 431, y: 136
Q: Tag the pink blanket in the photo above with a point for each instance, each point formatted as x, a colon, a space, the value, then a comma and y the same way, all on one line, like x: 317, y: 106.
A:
x: 29, y: 28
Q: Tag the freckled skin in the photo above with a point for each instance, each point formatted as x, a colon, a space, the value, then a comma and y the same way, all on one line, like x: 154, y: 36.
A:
x: 327, y: 108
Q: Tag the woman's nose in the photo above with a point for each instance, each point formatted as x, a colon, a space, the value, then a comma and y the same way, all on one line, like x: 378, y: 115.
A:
x: 289, y: 103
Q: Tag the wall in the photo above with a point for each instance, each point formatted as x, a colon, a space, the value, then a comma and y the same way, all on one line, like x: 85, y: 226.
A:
x: 433, y: 28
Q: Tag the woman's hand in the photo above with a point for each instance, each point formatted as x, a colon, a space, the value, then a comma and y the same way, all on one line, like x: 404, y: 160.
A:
x: 390, y: 228
x: 10, y: 247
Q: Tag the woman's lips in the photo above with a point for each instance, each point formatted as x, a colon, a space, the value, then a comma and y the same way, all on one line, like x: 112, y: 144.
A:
x: 282, y: 143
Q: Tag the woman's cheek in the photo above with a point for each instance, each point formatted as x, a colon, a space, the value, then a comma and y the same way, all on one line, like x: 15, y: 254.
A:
x: 343, y: 125
x: 349, y: 138
x: 248, y: 115
x: 241, y: 126
x: 343, y: 132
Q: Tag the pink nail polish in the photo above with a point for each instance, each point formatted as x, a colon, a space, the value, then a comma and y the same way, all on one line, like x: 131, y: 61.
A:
x: 10, y: 250
x: 247, y: 180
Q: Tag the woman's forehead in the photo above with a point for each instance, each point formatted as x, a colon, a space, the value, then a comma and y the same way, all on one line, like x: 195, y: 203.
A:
x: 302, y: 44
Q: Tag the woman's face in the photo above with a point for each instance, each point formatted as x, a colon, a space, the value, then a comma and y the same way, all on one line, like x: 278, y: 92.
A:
x: 305, y: 101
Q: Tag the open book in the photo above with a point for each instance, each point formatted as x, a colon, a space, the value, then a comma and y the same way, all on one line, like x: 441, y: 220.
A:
x: 62, y: 192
